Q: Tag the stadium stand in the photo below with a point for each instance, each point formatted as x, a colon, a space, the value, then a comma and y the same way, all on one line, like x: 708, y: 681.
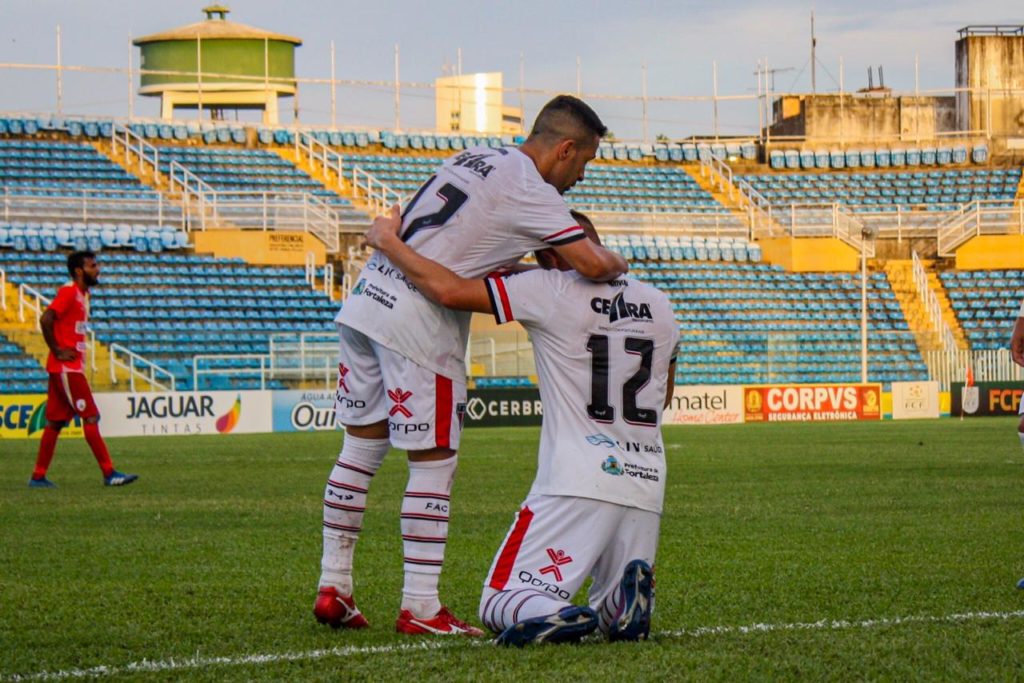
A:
x: 745, y: 322
x: 171, y: 307
x: 986, y: 302
x: 878, y: 191
x: 606, y: 187
x: 46, y: 168
x: 19, y: 372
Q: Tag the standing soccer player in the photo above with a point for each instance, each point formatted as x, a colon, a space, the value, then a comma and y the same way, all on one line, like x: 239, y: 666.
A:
x: 401, y: 372
x: 605, y: 356
x: 1017, y: 353
x: 64, y: 325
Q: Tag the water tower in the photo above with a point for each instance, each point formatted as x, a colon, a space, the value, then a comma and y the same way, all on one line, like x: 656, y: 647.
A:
x: 218, y: 64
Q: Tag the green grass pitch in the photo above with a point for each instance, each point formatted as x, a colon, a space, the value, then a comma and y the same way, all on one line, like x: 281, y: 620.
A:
x: 853, y: 551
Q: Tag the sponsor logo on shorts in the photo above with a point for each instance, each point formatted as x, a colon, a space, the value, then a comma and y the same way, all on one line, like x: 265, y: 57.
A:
x: 399, y: 397
x: 460, y: 412
x: 535, y: 581
x: 611, y: 466
x: 80, y: 404
x: 558, y: 559
x: 342, y: 371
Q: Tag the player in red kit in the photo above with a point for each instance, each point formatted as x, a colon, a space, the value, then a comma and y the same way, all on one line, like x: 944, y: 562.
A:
x: 64, y: 325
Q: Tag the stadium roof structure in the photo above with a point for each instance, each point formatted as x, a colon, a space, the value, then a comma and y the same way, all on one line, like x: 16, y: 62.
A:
x: 216, y: 29
x: 991, y: 30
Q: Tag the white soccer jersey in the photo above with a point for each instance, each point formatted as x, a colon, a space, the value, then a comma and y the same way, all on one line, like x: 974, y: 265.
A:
x: 483, y: 209
x: 602, y: 352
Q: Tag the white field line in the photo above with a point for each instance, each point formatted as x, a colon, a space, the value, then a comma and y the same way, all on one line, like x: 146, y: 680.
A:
x: 192, y: 663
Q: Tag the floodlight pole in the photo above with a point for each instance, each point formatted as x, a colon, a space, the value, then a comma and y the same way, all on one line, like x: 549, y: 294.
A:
x: 60, y: 74
x: 863, y: 309
x: 334, y: 97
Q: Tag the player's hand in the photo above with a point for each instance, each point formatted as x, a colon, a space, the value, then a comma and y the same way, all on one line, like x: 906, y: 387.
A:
x: 66, y: 355
x: 1017, y: 343
x: 384, y: 228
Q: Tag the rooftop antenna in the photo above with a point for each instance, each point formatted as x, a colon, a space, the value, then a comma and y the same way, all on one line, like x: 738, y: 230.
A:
x: 881, y: 78
x: 871, y: 79
x: 814, y: 63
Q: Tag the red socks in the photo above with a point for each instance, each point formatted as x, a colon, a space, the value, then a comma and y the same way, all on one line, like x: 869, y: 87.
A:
x: 98, y: 446
x: 47, y: 445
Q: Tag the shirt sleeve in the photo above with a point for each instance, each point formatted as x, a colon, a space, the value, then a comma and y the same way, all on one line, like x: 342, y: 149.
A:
x: 541, y: 213
x: 65, y: 297
x: 527, y: 297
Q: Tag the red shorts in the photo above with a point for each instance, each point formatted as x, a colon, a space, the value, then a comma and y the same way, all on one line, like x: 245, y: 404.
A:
x: 69, y: 395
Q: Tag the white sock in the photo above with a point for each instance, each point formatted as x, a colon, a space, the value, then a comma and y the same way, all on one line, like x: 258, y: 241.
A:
x: 425, y: 510
x: 1020, y: 435
x: 344, y: 504
x: 501, y: 609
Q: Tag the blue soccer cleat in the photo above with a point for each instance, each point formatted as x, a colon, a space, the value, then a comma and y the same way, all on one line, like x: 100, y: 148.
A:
x: 1020, y: 584
x: 634, y: 621
x: 568, y: 625
x: 41, y: 483
x: 119, y: 479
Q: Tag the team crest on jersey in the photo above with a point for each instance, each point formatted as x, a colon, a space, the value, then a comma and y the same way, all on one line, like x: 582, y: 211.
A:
x: 618, y: 308
x: 611, y: 466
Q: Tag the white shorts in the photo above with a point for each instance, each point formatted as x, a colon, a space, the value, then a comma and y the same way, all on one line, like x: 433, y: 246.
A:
x: 424, y: 410
x: 556, y: 542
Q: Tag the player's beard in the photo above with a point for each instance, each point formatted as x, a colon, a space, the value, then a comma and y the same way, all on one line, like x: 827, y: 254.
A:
x: 89, y: 281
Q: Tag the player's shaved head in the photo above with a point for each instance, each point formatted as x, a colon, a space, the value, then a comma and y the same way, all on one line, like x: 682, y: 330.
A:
x: 567, y: 117
x: 588, y: 226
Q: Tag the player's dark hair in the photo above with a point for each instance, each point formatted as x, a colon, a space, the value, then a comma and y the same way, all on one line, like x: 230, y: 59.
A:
x: 568, y: 117
x: 77, y: 259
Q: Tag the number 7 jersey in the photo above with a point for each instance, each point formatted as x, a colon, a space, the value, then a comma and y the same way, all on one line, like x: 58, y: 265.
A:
x: 602, y: 352
x: 483, y: 209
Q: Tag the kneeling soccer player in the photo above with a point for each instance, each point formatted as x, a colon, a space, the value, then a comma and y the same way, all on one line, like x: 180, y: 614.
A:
x: 605, y: 356
x: 64, y: 324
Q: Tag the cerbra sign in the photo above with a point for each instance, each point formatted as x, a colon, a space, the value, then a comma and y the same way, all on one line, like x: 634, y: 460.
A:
x: 503, y: 407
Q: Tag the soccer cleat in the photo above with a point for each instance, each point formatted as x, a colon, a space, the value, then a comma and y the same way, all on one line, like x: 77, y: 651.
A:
x: 337, y: 610
x: 568, y: 625
x: 1020, y: 584
x: 41, y: 483
x: 444, y: 623
x: 634, y: 621
x: 116, y: 478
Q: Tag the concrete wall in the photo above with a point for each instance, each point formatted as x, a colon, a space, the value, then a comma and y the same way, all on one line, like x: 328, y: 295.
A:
x: 864, y: 118
x: 991, y: 65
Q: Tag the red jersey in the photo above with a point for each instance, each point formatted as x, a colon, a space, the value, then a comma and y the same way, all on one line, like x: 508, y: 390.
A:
x: 71, y: 307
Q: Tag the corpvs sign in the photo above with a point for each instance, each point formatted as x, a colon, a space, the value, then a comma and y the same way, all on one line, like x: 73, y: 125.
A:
x: 812, y: 403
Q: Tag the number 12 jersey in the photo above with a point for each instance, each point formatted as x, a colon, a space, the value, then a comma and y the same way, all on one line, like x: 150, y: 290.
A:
x: 602, y: 352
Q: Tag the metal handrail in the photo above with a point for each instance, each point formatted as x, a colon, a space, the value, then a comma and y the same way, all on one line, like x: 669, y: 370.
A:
x: 931, y: 303
x: 196, y: 372
x: 131, y: 143
x: 132, y: 366
x: 319, y: 153
x: 378, y: 194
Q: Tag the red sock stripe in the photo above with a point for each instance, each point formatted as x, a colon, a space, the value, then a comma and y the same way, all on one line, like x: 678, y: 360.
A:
x: 348, y: 466
x: 423, y: 494
x: 443, y: 437
x: 428, y: 563
x: 346, y: 487
x: 425, y: 517
x: 342, y: 527
x: 425, y: 539
x: 346, y: 508
x: 509, y: 552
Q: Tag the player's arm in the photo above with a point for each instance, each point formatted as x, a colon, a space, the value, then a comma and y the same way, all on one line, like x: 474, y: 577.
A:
x: 1017, y: 339
x: 46, y: 322
x: 434, y: 281
x: 670, y: 385
x: 593, y: 261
